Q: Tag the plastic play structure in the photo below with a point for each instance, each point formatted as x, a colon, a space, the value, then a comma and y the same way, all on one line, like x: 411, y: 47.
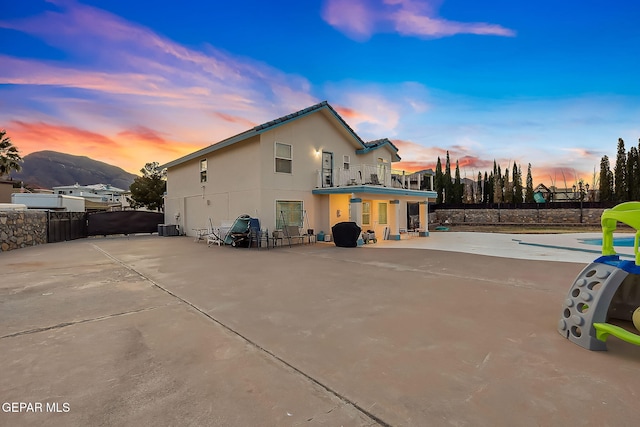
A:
x: 608, y: 289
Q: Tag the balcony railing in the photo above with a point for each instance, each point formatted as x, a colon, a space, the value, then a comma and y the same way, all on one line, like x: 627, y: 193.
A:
x: 380, y: 174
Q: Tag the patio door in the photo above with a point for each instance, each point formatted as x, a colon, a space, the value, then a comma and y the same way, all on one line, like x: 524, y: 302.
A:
x: 327, y: 169
x: 383, y: 167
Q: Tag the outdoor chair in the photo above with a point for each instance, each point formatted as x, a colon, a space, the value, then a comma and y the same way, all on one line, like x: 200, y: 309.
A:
x: 278, y: 236
x: 292, y: 232
x: 214, y: 236
x: 257, y: 236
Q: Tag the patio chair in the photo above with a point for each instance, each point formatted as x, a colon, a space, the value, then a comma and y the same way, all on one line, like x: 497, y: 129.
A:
x: 214, y: 236
x: 277, y: 236
x: 292, y: 232
x: 256, y: 235
x: 374, y: 179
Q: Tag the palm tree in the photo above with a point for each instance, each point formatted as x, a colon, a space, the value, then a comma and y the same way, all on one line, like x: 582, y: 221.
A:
x: 9, y: 156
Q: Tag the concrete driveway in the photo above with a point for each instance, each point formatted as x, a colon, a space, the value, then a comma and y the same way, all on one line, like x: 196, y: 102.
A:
x: 154, y: 330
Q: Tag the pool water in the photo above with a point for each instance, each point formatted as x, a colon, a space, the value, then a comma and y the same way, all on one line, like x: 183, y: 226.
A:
x: 617, y: 241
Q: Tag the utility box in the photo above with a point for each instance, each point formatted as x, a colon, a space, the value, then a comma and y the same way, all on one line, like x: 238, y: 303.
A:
x: 167, y: 230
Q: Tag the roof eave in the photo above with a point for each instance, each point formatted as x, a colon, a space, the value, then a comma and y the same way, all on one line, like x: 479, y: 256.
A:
x: 376, y: 189
x: 211, y: 148
x: 392, y: 148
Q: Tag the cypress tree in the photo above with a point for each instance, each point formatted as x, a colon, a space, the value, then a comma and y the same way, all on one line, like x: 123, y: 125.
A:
x: 606, y: 180
x: 439, y: 181
x: 497, y: 183
x: 479, y: 191
x: 458, y: 186
x: 620, y: 184
x: 633, y: 174
x: 528, y: 197
x: 508, y: 188
x: 448, y: 182
x: 517, y: 183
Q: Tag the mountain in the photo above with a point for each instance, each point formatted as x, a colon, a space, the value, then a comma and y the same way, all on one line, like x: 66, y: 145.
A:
x: 48, y: 169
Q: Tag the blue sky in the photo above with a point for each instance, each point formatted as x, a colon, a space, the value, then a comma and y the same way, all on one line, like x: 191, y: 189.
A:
x: 551, y: 83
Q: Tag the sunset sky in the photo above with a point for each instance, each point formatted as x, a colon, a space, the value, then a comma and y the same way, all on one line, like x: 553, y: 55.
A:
x: 551, y: 83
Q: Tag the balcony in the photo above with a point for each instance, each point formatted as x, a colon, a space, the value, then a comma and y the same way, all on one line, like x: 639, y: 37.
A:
x: 380, y: 175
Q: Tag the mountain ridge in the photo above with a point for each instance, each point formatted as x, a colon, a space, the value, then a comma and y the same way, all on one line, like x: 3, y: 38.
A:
x: 48, y: 169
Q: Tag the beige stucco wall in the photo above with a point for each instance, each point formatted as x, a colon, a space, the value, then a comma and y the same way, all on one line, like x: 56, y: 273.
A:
x: 241, y: 178
x: 6, y: 189
x: 309, y: 137
x: 232, y: 187
x: 306, y: 135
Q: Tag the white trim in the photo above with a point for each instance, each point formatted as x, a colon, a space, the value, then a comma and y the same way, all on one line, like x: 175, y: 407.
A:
x: 276, y: 157
x: 204, y: 162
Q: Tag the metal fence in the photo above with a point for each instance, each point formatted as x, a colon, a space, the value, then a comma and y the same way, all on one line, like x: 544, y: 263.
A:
x: 549, y: 205
x: 123, y: 222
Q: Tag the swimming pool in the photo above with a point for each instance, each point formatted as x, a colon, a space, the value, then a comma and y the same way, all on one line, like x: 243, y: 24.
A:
x: 617, y: 241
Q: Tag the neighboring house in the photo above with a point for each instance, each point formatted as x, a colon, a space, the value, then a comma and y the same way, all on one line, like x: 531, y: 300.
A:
x: 421, y: 180
x: 97, y: 196
x: 6, y: 189
x: 52, y: 202
x: 308, y: 169
x: 542, y: 194
x: 555, y: 194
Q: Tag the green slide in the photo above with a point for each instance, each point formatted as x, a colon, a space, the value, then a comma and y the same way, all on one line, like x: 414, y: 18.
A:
x: 603, y: 330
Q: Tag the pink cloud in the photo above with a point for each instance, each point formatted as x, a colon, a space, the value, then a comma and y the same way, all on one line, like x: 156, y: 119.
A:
x: 410, y: 24
x: 129, y: 149
x: 584, y: 153
x: 234, y: 119
x: 141, y: 90
x: 360, y: 19
x: 351, y: 115
x: 356, y: 18
x: 133, y: 60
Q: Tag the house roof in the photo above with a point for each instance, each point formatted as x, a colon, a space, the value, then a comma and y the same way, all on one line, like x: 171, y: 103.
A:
x: 94, y: 187
x: 378, y: 143
x: 542, y: 187
x: 424, y: 172
x: 257, y: 130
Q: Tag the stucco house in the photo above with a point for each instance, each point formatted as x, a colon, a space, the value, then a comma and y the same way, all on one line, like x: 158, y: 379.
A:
x: 97, y: 196
x: 308, y: 169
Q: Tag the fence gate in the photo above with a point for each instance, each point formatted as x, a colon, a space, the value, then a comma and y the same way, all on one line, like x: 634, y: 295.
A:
x: 62, y: 226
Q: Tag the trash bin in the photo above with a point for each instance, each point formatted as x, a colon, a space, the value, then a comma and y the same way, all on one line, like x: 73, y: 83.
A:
x: 346, y: 234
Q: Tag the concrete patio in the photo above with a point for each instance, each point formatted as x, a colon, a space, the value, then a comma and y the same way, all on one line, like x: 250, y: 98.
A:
x: 151, y: 330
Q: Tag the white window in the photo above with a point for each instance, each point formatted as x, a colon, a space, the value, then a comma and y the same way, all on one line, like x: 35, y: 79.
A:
x: 346, y: 161
x: 288, y: 213
x: 382, y: 213
x: 203, y: 170
x: 283, y: 158
x: 366, y: 213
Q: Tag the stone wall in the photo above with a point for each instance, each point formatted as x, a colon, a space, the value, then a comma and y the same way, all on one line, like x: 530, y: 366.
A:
x: 19, y: 229
x: 516, y: 216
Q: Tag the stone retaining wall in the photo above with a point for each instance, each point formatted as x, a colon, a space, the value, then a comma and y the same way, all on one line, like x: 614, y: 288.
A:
x: 19, y: 229
x: 516, y: 216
